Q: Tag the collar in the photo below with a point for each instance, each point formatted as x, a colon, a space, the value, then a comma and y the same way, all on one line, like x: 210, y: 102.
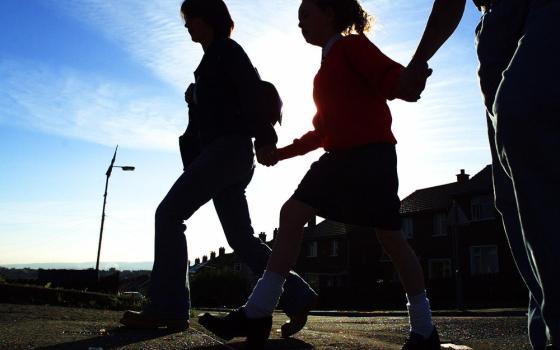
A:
x: 328, y: 46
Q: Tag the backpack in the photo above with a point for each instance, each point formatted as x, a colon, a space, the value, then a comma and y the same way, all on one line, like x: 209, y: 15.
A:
x: 270, y: 101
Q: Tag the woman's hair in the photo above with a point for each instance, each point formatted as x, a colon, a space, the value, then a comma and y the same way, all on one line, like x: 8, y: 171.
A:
x: 214, y: 12
x: 350, y: 17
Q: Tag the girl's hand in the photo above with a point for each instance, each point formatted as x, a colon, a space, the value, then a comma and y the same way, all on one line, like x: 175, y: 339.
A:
x: 413, y: 81
x: 267, y: 155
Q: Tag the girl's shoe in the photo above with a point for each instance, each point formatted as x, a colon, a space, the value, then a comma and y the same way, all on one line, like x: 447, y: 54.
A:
x: 417, y: 342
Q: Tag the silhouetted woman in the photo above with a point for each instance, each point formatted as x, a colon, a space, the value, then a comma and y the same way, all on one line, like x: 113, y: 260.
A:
x: 217, y: 153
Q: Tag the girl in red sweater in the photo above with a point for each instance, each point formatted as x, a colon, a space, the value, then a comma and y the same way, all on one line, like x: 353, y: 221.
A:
x: 355, y: 181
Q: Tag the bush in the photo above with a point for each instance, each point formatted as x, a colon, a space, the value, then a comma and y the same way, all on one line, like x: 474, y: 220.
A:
x: 22, y: 294
x: 218, y: 288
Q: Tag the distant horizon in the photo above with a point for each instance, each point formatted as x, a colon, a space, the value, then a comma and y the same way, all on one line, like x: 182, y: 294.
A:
x: 121, y: 265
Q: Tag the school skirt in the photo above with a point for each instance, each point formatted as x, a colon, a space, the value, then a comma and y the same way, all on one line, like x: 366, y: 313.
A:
x: 357, y: 186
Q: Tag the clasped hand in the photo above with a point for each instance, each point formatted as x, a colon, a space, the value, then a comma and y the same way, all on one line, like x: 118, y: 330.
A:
x: 267, y: 155
x: 413, y: 81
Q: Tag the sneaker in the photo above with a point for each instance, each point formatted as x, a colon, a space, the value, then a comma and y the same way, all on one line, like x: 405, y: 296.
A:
x: 297, y: 321
x: 417, y: 342
x: 237, y: 324
x: 152, y: 320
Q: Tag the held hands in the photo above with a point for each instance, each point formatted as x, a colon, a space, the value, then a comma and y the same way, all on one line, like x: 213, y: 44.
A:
x: 189, y: 94
x: 268, y: 155
x: 413, y: 81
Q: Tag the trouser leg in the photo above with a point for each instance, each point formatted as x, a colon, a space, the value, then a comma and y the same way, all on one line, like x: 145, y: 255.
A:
x: 527, y: 124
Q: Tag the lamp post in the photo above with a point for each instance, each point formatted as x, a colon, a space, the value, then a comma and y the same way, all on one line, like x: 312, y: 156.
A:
x: 455, y: 219
x: 108, y: 174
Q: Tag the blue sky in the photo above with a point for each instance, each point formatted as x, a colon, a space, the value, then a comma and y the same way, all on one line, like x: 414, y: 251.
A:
x: 78, y: 77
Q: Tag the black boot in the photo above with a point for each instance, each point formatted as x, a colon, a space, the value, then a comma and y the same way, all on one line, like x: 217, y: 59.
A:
x: 237, y: 324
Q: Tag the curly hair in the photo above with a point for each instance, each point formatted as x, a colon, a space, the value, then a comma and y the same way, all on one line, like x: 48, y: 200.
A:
x: 214, y: 12
x: 349, y: 14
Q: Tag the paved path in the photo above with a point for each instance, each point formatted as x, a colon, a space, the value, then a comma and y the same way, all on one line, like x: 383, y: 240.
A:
x: 46, y: 327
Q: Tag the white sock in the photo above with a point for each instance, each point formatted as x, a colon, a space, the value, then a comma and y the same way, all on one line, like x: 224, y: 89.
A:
x: 265, y: 296
x: 420, y: 315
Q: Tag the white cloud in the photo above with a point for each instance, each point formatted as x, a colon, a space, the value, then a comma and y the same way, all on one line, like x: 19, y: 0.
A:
x: 80, y: 105
x: 151, y: 31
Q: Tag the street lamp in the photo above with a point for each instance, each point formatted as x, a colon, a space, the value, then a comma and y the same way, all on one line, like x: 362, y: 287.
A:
x: 108, y: 173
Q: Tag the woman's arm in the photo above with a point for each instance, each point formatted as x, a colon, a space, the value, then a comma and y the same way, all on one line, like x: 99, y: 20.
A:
x: 246, y: 83
x: 189, y: 147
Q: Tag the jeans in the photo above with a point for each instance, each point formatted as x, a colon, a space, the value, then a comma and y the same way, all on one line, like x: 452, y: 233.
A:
x: 518, y: 46
x: 221, y: 172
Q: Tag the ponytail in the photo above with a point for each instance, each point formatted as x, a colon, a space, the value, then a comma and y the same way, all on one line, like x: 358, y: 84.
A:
x: 350, y: 17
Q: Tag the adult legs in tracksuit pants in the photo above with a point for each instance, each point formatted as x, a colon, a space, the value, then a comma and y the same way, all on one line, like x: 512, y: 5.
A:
x: 518, y: 45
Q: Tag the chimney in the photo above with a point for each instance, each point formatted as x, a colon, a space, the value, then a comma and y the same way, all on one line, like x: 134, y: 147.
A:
x: 212, y: 255
x: 262, y: 236
x: 204, y: 259
x: 462, y: 177
x: 274, y: 233
x: 197, y: 261
x: 313, y: 222
x: 221, y: 251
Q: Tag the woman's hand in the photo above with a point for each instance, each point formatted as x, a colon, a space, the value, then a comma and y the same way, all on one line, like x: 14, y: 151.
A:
x: 267, y: 155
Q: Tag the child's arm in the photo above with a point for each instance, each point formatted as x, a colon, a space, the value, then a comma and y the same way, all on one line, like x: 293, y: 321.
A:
x: 381, y: 73
x: 307, y: 143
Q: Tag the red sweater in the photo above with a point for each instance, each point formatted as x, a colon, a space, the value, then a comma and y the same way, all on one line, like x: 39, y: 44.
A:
x: 350, y: 92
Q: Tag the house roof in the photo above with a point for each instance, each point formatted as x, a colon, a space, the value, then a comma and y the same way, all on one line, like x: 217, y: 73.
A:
x: 197, y: 267
x: 440, y: 197
x: 326, y: 228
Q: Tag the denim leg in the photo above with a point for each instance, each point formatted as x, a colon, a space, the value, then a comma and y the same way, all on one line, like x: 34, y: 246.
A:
x: 231, y: 206
x: 527, y: 123
x: 507, y: 207
x: 535, y: 325
x: 221, y: 164
x: 496, y: 39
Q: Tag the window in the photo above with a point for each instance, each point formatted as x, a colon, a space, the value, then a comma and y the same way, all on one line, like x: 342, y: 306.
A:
x: 440, y: 225
x: 484, y: 260
x: 334, y: 247
x: 312, y: 249
x: 439, y: 269
x: 482, y: 208
x: 407, y: 228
